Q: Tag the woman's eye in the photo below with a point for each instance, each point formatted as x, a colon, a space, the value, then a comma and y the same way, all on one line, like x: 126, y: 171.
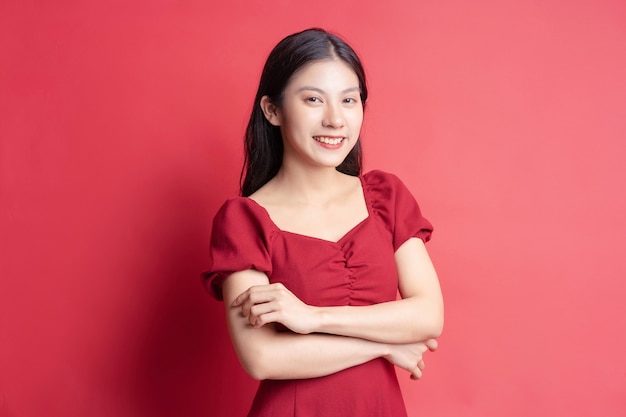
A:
x: 350, y: 100
x: 314, y: 99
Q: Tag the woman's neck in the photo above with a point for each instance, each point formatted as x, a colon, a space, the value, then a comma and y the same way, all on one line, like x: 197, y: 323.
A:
x: 311, y: 184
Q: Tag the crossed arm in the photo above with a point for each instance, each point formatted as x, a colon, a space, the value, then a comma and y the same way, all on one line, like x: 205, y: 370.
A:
x: 330, y: 339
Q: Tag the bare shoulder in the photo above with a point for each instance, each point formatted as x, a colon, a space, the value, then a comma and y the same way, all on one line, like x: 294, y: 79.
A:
x: 268, y: 195
x: 352, y: 183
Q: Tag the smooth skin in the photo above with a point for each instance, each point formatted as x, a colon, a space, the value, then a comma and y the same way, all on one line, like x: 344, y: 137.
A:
x: 310, y: 197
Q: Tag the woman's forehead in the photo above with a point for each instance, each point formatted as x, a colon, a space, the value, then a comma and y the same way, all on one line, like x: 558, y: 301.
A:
x: 332, y: 73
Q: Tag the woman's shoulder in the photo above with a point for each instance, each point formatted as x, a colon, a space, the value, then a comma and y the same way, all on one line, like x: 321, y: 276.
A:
x: 237, y: 206
x: 396, y: 207
x: 386, y: 191
x: 241, y: 212
x: 378, y: 180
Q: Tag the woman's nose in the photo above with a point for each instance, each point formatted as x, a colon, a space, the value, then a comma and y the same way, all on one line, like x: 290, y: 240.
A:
x: 333, y: 116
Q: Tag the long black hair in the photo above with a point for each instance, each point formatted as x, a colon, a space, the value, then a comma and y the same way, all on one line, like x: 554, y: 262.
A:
x: 263, y: 141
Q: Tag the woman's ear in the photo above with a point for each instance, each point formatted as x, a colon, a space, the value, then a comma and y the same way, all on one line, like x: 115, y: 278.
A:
x: 271, y: 112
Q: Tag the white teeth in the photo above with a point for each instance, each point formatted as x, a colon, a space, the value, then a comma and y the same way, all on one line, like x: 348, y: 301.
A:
x: 327, y: 140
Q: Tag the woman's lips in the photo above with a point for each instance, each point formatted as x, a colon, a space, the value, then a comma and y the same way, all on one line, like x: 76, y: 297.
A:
x: 329, y: 140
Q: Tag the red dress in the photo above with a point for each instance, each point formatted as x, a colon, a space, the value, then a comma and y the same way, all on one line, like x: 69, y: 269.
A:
x: 357, y: 270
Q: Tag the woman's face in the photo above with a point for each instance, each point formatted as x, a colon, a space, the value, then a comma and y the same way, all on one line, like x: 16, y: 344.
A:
x: 321, y: 116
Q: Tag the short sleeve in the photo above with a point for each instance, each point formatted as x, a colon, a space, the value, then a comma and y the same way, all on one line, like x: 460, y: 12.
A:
x: 395, y: 204
x: 239, y: 241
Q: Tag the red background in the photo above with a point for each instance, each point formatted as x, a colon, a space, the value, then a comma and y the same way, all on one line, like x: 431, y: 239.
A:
x: 120, y: 135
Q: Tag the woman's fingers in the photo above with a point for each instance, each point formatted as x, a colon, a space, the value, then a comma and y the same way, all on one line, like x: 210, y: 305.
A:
x: 254, y: 290
x: 432, y: 344
x: 262, y: 304
x: 409, y: 356
x: 254, y: 295
x: 418, y: 372
x: 261, y: 314
x: 240, y: 298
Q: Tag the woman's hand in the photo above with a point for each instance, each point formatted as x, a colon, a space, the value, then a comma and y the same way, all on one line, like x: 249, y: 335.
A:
x: 274, y: 303
x: 409, y: 356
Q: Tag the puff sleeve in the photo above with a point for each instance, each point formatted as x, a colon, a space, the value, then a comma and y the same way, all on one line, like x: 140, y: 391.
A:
x: 395, y: 204
x: 240, y: 241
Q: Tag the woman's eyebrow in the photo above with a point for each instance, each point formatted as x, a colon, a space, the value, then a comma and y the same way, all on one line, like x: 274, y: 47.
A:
x: 319, y: 90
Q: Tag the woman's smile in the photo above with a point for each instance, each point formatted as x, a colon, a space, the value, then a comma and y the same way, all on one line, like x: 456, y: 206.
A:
x: 331, y: 141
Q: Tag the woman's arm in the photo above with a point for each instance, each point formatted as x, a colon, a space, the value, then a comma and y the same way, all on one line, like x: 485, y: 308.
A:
x: 417, y: 317
x: 268, y: 354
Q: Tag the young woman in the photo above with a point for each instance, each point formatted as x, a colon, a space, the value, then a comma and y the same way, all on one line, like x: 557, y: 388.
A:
x: 310, y: 259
